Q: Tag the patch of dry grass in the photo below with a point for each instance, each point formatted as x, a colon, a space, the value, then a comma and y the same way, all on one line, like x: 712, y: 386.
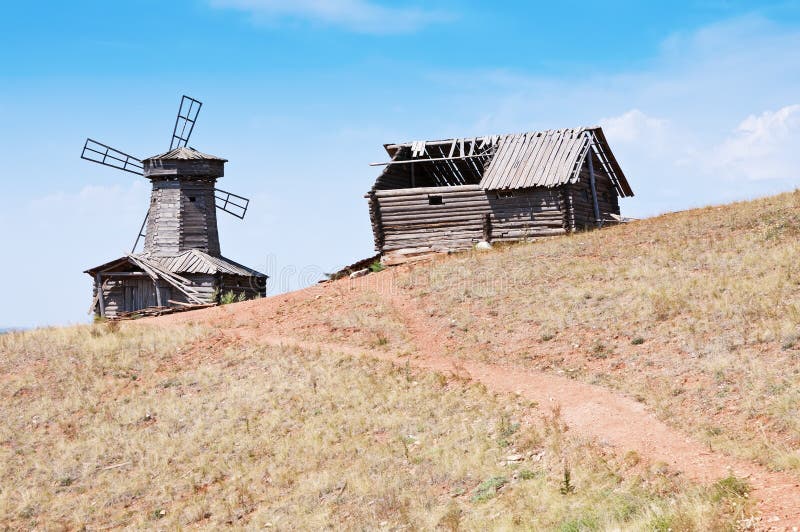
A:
x: 697, y: 313
x: 138, y: 427
x: 366, y: 320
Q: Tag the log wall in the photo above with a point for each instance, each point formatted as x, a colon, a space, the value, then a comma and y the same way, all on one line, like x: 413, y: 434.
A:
x: 467, y: 214
x: 251, y: 287
x: 127, y: 294
x: 182, y: 215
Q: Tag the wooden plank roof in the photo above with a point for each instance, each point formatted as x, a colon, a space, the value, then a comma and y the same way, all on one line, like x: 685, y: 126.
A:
x: 535, y: 159
x: 184, y: 153
x: 189, y: 261
x: 196, y: 261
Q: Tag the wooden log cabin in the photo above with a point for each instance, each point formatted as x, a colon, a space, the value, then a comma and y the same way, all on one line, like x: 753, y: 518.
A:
x: 447, y: 195
x: 181, y: 264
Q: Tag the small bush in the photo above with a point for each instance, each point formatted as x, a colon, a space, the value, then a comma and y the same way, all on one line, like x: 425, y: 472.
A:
x: 730, y: 487
x: 507, y: 428
x: 567, y: 487
x: 227, y: 298
x: 600, y: 350
x: 488, y: 489
x: 376, y: 266
x: 381, y: 339
x: 638, y: 340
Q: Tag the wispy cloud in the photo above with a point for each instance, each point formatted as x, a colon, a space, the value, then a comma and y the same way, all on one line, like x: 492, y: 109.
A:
x: 634, y: 126
x: 763, y: 146
x: 362, y: 16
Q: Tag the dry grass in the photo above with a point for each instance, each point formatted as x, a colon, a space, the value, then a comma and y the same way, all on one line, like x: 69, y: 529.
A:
x: 366, y: 321
x: 696, y: 313
x: 139, y: 427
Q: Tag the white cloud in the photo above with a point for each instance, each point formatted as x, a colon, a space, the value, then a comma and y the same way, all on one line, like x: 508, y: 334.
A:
x: 363, y: 16
x: 763, y: 146
x: 633, y: 126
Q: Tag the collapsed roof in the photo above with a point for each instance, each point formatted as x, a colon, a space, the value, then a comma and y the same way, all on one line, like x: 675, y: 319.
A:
x: 168, y: 269
x: 501, y: 162
x: 189, y: 261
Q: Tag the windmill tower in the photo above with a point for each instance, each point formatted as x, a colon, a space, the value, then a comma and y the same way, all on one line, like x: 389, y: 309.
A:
x: 182, y: 213
x: 181, y: 254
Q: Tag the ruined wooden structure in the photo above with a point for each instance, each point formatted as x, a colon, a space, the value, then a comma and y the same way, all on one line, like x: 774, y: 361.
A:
x: 180, y: 265
x: 447, y: 195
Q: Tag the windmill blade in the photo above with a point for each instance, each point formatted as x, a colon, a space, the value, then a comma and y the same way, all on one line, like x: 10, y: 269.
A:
x: 141, y: 232
x: 99, y: 153
x: 231, y: 203
x: 184, y: 122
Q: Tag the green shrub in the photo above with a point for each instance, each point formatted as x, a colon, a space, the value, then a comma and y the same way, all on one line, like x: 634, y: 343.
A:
x: 730, y: 487
x: 227, y: 298
x: 488, y: 489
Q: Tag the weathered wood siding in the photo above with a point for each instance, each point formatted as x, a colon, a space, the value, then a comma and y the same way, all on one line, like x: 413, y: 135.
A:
x: 199, y: 217
x: 129, y: 294
x: 410, y: 218
x: 163, y: 224
x: 182, y: 215
x: 251, y: 287
x: 578, y: 197
x: 184, y: 167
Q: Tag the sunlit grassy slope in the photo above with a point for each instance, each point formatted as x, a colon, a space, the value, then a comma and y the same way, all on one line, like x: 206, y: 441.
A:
x: 140, y: 427
x: 696, y: 313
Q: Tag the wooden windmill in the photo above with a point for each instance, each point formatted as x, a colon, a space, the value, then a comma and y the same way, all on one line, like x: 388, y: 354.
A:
x: 181, y: 252
x: 181, y: 172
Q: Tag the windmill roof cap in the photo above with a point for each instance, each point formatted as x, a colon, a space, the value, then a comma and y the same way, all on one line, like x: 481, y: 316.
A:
x: 185, y: 153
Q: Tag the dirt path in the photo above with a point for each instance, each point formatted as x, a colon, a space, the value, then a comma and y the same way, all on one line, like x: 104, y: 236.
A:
x: 593, y: 412
x: 612, y: 419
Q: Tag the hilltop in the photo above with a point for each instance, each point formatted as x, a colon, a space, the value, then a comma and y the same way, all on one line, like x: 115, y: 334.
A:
x: 644, y: 376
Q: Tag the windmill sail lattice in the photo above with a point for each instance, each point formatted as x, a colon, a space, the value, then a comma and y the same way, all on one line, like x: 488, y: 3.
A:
x: 100, y: 153
x: 188, y: 111
x: 184, y: 122
x: 231, y: 203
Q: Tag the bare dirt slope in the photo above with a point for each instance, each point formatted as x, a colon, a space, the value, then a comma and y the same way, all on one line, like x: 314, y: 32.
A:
x: 674, y: 337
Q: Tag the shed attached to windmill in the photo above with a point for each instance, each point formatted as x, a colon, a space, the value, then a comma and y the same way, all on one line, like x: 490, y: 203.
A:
x: 187, y: 279
x: 447, y: 195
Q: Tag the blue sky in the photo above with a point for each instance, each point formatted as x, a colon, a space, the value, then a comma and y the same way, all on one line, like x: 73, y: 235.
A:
x: 699, y: 101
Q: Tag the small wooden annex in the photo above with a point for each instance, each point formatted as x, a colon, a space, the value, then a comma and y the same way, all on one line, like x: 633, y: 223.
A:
x: 186, y: 279
x: 447, y: 195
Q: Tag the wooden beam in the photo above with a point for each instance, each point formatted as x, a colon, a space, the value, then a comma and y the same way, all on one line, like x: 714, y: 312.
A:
x: 99, y: 282
x: 597, y: 219
x: 408, y: 161
x: 158, y: 293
